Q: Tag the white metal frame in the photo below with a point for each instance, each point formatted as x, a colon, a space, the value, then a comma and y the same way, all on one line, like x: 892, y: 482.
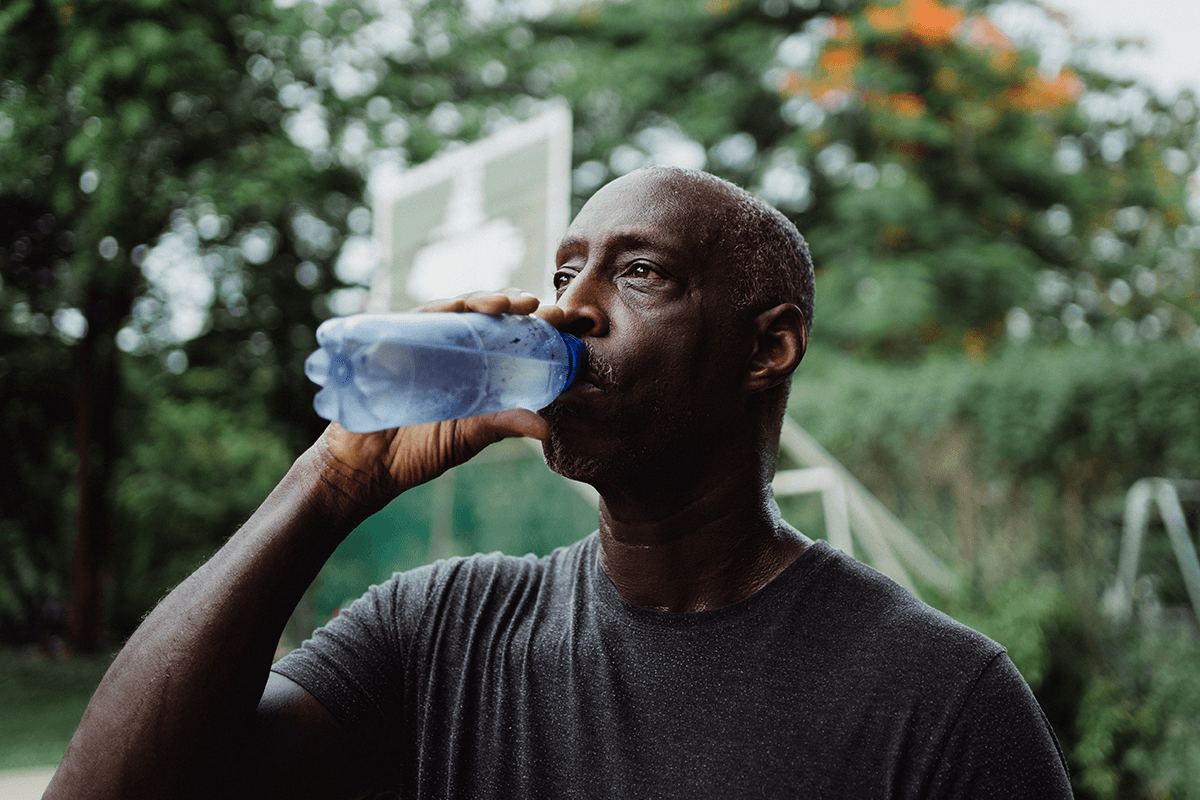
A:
x: 852, y: 512
x: 1165, y: 493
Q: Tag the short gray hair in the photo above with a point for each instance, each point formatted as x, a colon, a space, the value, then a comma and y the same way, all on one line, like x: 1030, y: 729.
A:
x: 770, y: 255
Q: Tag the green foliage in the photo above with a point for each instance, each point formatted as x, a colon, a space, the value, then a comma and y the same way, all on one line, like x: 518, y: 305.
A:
x: 950, y: 193
x: 1021, y: 616
x: 1039, y: 412
x: 37, y: 428
x: 1137, y: 407
x: 124, y: 125
x: 195, y: 470
x: 1139, y: 722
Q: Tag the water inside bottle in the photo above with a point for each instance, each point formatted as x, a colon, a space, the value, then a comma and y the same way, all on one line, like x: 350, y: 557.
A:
x: 395, y: 384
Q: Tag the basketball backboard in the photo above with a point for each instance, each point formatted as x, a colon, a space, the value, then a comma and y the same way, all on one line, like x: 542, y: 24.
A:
x: 488, y: 215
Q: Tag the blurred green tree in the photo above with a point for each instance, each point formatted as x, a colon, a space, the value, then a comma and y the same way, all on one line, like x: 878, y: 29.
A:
x: 128, y: 129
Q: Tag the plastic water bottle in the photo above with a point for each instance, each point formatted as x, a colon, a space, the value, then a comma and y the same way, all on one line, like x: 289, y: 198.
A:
x: 382, y: 371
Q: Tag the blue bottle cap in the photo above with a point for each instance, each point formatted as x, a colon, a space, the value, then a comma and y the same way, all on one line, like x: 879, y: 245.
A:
x: 577, y: 355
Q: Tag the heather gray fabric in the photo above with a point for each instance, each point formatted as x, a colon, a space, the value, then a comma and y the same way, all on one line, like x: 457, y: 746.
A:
x: 505, y: 677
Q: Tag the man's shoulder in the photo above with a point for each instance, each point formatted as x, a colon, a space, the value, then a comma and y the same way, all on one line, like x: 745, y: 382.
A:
x: 494, y: 565
x: 878, y: 618
x: 477, y: 579
x: 890, y: 656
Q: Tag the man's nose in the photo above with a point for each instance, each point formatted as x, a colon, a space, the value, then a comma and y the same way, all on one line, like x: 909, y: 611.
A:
x: 584, y: 303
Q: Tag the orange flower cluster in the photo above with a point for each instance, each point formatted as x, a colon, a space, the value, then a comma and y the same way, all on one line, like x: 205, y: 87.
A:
x: 1046, y: 94
x: 927, y: 20
x: 982, y: 34
x: 931, y: 23
x: 832, y: 78
x: 834, y: 74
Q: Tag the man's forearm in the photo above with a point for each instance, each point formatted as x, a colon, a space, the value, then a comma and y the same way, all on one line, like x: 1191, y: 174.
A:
x: 174, y: 716
x: 169, y: 716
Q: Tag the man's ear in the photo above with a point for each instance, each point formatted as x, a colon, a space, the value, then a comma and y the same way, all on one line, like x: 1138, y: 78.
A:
x: 780, y: 340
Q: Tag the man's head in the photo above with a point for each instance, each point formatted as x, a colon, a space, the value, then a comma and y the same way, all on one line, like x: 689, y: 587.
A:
x: 767, y: 257
x: 694, y: 299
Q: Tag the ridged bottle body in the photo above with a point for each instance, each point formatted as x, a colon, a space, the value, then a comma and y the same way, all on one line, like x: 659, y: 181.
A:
x: 380, y: 371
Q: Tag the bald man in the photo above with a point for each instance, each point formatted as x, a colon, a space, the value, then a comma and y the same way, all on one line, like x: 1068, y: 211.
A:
x: 694, y: 645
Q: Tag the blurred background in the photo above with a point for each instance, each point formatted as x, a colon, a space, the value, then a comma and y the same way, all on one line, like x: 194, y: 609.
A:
x: 1004, y: 217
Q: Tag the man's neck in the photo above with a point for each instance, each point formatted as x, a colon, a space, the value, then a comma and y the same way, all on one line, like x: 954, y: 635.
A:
x: 716, y: 549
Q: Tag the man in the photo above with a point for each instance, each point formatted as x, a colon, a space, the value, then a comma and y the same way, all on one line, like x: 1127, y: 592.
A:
x: 695, y: 646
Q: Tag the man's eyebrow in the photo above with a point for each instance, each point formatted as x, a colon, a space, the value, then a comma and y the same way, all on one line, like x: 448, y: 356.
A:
x: 571, y: 245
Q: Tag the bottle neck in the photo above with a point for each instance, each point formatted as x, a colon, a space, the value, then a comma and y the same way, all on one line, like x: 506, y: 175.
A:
x: 576, y: 355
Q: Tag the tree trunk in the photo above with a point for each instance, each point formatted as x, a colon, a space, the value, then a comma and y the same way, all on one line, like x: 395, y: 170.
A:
x: 96, y: 443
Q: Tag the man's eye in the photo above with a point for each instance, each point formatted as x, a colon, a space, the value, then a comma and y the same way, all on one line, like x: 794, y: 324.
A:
x: 561, y: 279
x: 640, y: 270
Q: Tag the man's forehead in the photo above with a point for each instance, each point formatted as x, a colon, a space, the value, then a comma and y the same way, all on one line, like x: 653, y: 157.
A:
x: 646, y: 199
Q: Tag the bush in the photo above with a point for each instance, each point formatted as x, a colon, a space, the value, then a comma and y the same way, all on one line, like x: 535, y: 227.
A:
x: 1038, y: 411
x: 1139, y: 722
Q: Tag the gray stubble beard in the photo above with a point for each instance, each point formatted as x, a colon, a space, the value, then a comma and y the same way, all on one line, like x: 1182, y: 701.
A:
x: 564, y: 460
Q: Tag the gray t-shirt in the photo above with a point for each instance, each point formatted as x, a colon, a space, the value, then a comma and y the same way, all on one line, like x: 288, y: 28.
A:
x: 495, y: 676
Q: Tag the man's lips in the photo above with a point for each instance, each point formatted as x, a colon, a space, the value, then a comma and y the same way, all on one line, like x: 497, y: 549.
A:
x: 596, y: 376
x: 584, y: 384
x: 593, y: 380
x: 598, y: 372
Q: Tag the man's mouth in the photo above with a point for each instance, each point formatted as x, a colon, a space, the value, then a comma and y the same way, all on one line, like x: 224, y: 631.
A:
x: 592, y: 380
x: 596, y: 377
x: 599, y: 373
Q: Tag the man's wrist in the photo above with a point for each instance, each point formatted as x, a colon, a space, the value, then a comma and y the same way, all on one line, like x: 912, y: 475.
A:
x: 340, y: 491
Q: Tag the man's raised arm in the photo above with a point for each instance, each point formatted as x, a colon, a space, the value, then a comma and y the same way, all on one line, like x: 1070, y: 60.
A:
x: 178, y: 714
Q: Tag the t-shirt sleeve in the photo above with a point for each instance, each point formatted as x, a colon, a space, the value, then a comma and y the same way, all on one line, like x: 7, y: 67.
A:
x: 1001, y: 745
x: 353, y: 665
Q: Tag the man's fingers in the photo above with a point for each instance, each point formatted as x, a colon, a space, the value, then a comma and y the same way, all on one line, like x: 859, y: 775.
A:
x: 506, y: 301
x: 520, y: 302
x: 552, y: 314
x: 453, y: 305
x: 519, y: 422
x: 395, y: 460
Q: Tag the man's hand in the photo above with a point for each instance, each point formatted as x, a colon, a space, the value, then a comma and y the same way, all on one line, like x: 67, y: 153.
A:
x: 368, y: 470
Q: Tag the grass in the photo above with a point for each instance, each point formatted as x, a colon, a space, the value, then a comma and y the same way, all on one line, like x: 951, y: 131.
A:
x: 41, y: 702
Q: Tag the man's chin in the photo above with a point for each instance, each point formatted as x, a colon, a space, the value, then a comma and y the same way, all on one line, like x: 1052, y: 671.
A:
x: 570, y: 449
x: 588, y: 445
x: 568, y: 461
